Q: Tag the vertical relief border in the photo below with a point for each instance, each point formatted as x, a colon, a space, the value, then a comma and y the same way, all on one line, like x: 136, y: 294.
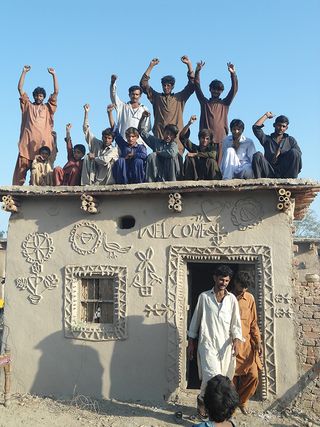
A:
x: 179, y: 256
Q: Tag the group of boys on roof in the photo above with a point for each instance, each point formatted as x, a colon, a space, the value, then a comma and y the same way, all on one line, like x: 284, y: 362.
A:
x: 217, y: 156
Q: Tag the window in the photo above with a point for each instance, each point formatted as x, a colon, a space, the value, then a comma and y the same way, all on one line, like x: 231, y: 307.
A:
x: 95, y: 302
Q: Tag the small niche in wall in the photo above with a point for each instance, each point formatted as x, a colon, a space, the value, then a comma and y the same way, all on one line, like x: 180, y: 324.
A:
x: 126, y: 222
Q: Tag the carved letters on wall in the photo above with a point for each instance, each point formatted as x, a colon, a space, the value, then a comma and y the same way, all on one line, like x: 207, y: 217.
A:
x: 37, y: 248
x: 179, y: 256
x: 146, y: 278
x: 246, y: 213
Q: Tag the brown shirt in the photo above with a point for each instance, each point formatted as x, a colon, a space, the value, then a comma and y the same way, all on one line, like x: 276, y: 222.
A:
x: 167, y: 109
x: 250, y: 331
x: 214, y: 112
x: 36, y: 126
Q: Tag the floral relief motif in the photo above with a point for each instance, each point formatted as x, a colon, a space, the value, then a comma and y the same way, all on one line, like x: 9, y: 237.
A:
x: 246, y: 213
x: 146, y: 277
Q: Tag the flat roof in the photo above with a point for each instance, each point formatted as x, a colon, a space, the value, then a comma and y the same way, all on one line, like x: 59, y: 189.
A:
x: 303, y: 191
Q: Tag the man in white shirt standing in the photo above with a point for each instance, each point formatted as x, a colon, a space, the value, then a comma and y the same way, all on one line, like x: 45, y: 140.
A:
x: 128, y: 113
x: 237, y: 153
x: 216, y: 324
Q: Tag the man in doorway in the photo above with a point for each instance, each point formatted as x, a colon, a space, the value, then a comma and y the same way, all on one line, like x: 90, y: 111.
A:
x: 282, y: 155
x: 216, y: 325
x: 248, y: 360
x: 36, y: 125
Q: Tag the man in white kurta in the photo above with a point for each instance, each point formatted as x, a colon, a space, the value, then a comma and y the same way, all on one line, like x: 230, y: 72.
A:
x: 128, y: 113
x: 216, y: 324
x: 237, y: 153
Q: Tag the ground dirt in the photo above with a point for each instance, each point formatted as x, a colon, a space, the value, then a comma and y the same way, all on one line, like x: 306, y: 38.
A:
x: 33, y: 411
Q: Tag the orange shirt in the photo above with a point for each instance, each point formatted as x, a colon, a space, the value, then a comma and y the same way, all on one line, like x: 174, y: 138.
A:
x: 250, y: 332
x: 36, y: 126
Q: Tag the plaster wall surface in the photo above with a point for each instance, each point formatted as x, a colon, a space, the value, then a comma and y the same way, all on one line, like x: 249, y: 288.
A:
x: 135, y: 367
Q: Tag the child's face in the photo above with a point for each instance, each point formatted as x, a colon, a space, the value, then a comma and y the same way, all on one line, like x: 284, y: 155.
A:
x: 215, y: 93
x: 204, y: 141
x: 168, y: 136
x: 44, y: 155
x: 132, y: 139
x: 167, y: 88
x: 77, y: 154
x: 39, y: 98
x: 107, y: 140
x: 236, y: 132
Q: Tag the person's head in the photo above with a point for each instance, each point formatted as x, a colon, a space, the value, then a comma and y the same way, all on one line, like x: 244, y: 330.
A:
x: 168, y: 83
x: 205, y: 137
x: 79, y: 150
x: 236, y: 127
x: 216, y: 88
x: 107, y: 137
x: 170, y: 133
x: 45, y: 152
x: 281, y: 124
x: 39, y: 95
x: 242, y: 281
x: 220, y: 399
x: 222, y: 276
x: 132, y: 136
x: 135, y: 94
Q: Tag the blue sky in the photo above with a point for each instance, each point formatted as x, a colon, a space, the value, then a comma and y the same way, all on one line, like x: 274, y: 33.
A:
x: 274, y: 46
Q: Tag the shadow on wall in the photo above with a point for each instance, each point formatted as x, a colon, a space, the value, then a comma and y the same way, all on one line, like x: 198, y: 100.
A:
x: 67, y: 367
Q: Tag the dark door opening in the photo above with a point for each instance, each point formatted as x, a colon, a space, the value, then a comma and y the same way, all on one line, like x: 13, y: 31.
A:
x: 200, y: 279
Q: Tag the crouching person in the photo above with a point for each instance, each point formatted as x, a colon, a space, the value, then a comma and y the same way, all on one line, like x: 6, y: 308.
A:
x: 41, y: 170
x: 237, y: 153
x: 98, y: 164
x: 163, y: 164
x: 130, y: 166
x: 200, y: 162
x: 71, y: 172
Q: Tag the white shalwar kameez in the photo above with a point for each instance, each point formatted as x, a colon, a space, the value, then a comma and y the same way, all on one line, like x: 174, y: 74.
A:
x: 215, y: 325
x: 237, y: 163
x: 126, y: 115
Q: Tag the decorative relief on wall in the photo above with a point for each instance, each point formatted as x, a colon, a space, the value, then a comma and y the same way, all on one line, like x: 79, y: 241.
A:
x: 281, y: 312
x: 284, y: 199
x: 246, y: 213
x: 213, y: 209
x: 37, y: 248
x: 179, y: 256
x: 157, y: 310
x: 175, y: 202
x: 197, y: 228
x: 112, y: 249
x: 85, y: 238
x: 95, y: 331
x: 146, y: 278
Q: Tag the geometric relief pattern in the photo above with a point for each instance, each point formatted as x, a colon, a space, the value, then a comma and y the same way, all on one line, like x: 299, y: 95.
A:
x: 95, y: 331
x: 179, y: 256
x: 37, y: 248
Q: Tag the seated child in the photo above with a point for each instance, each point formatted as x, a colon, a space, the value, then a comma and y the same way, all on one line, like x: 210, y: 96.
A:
x: 41, y: 170
x: 163, y: 164
x: 221, y: 400
x: 237, y: 153
x: 71, y: 172
x: 200, y: 162
x: 98, y: 164
x: 130, y: 166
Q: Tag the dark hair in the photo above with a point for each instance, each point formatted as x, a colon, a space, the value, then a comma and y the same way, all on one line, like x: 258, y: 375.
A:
x: 80, y: 147
x: 223, y: 271
x: 172, y: 129
x: 282, y: 119
x: 133, y: 88
x: 39, y: 90
x: 220, y: 398
x: 45, y: 149
x: 168, y: 79
x: 108, y: 132
x: 237, y: 123
x: 216, y: 84
x: 244, y: 279
x: 133, y: 131
x: 203, y: 133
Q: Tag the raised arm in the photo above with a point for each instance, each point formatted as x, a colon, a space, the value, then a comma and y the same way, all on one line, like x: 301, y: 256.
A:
x: 267, y: 115
x: 189, y: 88
x: 185, y: 59
x: 199, y: 93
x: 68, y: 141
x: 113, y: 92
x: 144, y: 82
x: 186, y: 128
x: 234, y: 84
x: 25, y: 70
x: 55, y: 81
x: 110, y: 108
